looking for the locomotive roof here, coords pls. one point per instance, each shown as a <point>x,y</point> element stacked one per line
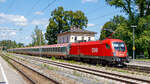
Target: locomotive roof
<point>108,39</point>
<point>98,42</point>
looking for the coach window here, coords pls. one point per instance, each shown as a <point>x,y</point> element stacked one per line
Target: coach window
<point>56,49</point>
<point>51,49</point>
<point>89,38</point>
<point>46,49</point>
<point>61,50</point>
<point>67,39</point>
<point>107,46</point>
<point>82,38</point>
<point>75,38</point>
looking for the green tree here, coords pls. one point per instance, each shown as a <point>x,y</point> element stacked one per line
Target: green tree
<point>6,44</point>
<point>143,35</point>
<point>37,37</point>
<point>61,21</point>
<point>138,12</point>
<point>120,26</point>
<point>20,45</point>
<point>133,8</point>
<point>112,25</point>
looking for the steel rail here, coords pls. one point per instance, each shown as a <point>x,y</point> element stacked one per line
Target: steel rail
<point>27,77</point>
<point>54,81</point>
<point>113,74</point>
<point>74,67</point>
<point>138,68</point>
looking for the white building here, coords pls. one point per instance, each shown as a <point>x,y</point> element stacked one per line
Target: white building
<point>75,35</point>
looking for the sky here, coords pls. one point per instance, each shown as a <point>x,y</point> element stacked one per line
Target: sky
<point>18,18</point>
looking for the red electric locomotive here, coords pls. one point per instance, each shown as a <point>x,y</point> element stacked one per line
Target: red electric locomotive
<point>112,51</point>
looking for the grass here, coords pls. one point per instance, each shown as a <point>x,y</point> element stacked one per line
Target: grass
<point>5,57</point>
<point>49,67</point>
<point>142,59</point>
<point>76,73</point>
<point>68,61</point>
<point>81,63</point>
<point>53,58</point>
<point>42,65</point>
<point>123,71</point>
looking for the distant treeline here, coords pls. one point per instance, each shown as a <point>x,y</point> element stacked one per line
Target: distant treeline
<point>6,44</point>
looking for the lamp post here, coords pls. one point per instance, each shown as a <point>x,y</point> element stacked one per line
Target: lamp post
<point>40,41</point>
<point>40,46</point>
<point>133,41</point>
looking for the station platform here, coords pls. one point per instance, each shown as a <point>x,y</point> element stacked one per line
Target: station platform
<point>139,63</point>
<point>8,75</point>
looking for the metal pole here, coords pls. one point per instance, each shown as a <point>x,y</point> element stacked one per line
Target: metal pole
<point>40,46</point>
<point>133,45</point>
<point>133,42</point>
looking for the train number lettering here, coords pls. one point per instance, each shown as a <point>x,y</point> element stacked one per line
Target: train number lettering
<point>94,50</point>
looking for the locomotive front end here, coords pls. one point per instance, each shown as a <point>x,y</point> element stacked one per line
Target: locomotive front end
<point>120,52</point>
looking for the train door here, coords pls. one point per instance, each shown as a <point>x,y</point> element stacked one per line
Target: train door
<point>101,50</point>
<point>78,48</point>
<point>108,50</point>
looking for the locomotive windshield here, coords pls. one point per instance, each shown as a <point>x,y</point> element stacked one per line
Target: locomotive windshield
<point>120,46</point>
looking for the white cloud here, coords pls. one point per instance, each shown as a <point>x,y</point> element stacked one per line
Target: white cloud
<point>13,33</point>
<point>27,37</point>
<point>2,0</point>
<point>46,25</point>
<point>84,1</point>
<point>3,35</point>
<point>40,22</point>
<point>6,33</point>
<point>39,13</point>
<point>90,25</point>
<point>14,19</point>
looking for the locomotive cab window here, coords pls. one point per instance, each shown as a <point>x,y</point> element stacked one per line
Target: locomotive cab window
<point>107,46</point>
<point>120,46</point>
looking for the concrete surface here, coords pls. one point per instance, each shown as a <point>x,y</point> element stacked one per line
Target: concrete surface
<point>139,63</point>
<point>9,75</point>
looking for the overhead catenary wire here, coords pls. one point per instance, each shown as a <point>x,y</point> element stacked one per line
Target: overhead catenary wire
<point>10,6</point>
<point>33,6</point>
<point>102,16</point>
<point>95,10</point>
<point>48,5</point>
<point>42,10</point>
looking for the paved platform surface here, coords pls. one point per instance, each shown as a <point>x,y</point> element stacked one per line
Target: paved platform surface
<point>139,63</point>
<point>8,75</point>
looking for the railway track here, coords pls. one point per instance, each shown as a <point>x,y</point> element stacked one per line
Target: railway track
<point>32,76</point>
<point>138,68</point>
<point>113,76</point>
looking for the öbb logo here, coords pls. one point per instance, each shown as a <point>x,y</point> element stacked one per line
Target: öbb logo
<point>94,50</point>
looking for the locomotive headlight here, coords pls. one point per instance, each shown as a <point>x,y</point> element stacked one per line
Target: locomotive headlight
<point>114,53</point>
<point>118,59</point>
